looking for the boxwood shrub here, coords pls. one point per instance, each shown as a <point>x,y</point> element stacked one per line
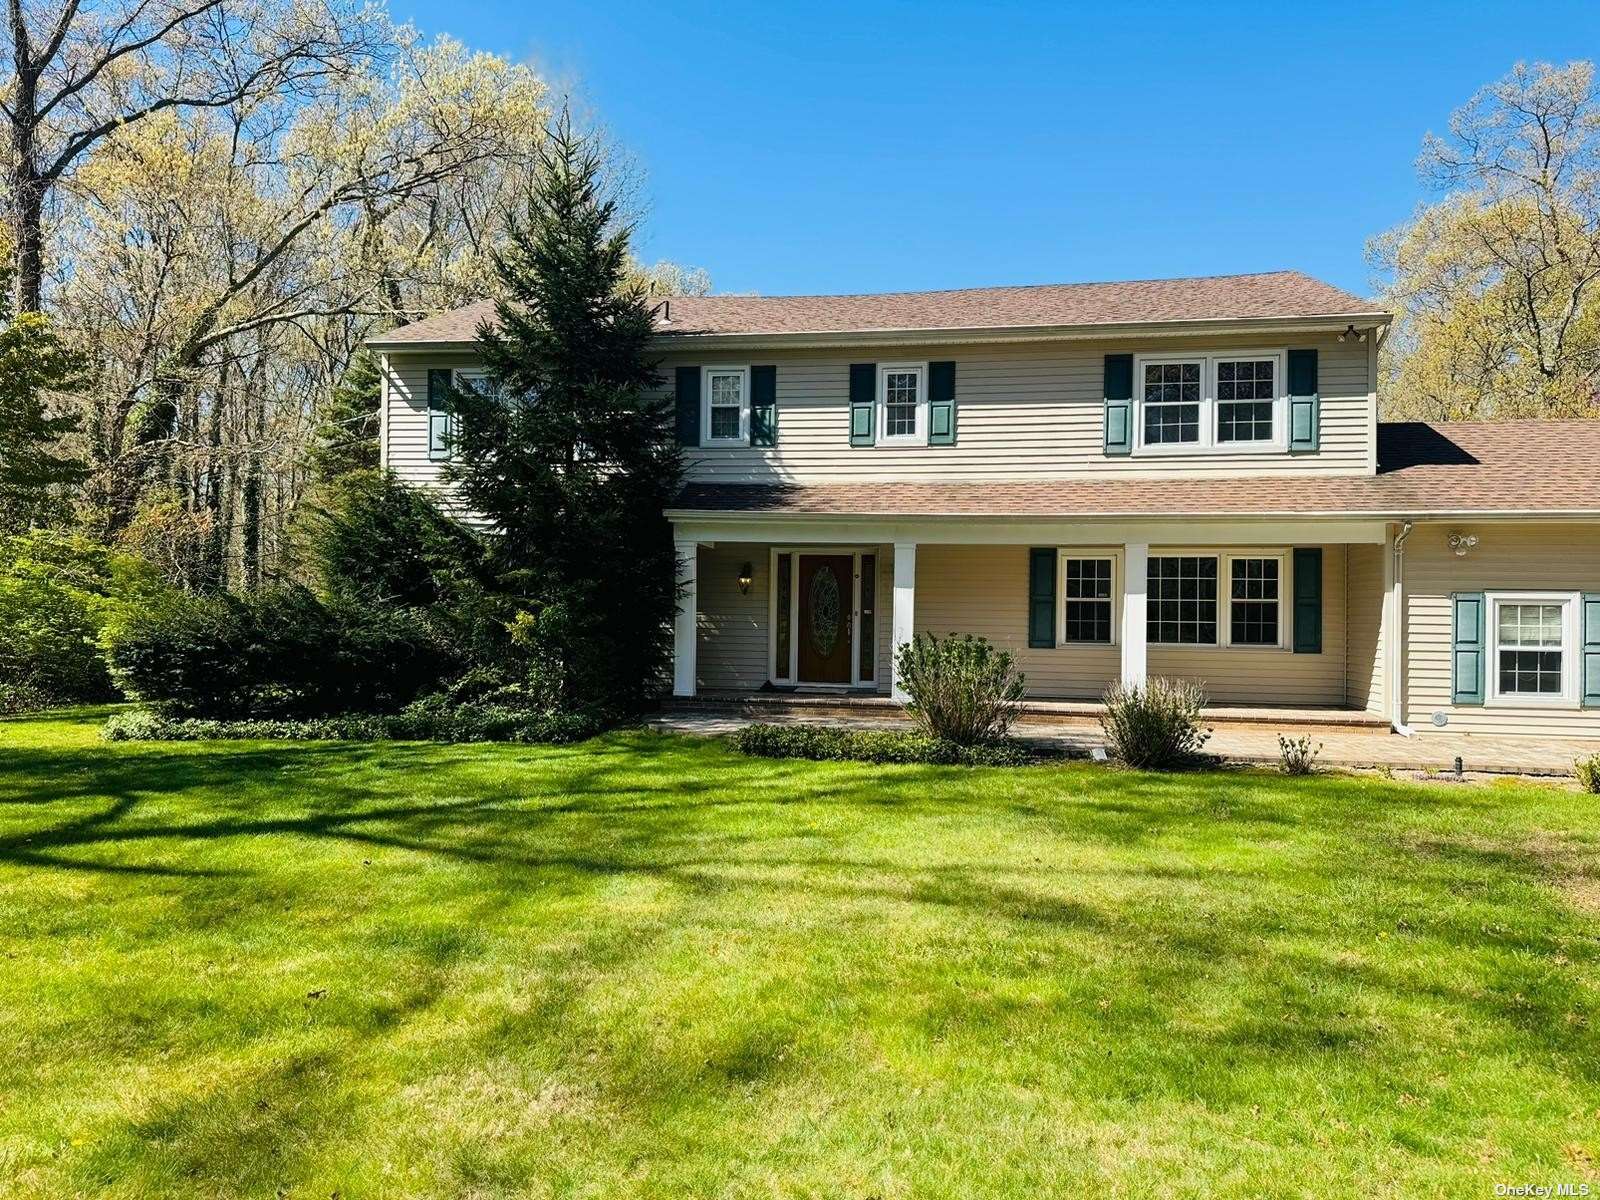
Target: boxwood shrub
<point>825,744</point>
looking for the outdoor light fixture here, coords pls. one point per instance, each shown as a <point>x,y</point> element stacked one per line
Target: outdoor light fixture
<point>746,575</point>
<point>1350,331</point>
<point>1462,542</point>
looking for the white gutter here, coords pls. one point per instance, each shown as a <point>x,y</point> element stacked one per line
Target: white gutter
<point>1379,514</point>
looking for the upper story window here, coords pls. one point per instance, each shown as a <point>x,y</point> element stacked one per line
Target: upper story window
<point>903,404</point>
<point>1218,402</point>
<point>726,418</point>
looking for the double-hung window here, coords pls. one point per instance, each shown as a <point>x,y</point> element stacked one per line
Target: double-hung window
<point>1533,652</point>
<point>1247,394</point>
<point>1088,604</point>
<point>726,418</point>
<point>1212,402</point>
<point>1181,600</point>
<point>903,404</point>
<point>1255,604</point>
<point>441,421</point>
<point>1171,394</point>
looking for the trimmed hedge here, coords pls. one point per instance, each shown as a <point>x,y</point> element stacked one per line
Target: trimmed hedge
<point>824,744</point>
<point>481,723</point>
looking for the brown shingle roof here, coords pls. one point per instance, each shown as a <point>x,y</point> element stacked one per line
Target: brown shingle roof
<point>1275,294</point>
<point>1549,467</point>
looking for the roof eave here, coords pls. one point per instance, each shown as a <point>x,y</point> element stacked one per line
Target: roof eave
<point>1381,514</point>
<point>812,340</point>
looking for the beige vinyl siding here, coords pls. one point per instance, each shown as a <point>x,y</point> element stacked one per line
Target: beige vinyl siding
<point>1023,411</point>
<point>1026,411</point>
<point>1508,557</point>
<point>1258,676</point>
<point>732,650</point>
<point>734,646</point>
<point>1364,627</point>
<point>405,417</point>
<point>983,590</point>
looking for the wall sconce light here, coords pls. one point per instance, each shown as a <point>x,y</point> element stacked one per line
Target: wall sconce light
<point>1350,331</point>
<point>746,577</point>
<point>1462,542</point>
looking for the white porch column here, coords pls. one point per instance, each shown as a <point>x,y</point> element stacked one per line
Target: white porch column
<point>905,602</point>
<point>1135,654</point>
<point>683,625</point>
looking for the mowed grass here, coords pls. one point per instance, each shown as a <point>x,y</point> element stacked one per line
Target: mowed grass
<point>648,967</point>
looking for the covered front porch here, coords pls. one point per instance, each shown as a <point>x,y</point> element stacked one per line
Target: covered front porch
<point>1271,617</point>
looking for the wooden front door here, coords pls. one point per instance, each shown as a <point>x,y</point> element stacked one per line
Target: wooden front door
<point>827,606</point>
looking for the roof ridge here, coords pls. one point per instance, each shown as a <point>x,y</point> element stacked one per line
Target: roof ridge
<point>1001,287</point>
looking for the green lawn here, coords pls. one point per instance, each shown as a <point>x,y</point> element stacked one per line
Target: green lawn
<point>648,967</point>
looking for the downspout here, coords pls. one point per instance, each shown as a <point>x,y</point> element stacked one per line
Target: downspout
<point>1397,657</point>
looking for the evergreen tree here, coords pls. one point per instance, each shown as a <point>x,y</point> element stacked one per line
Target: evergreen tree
<point>568,449</point>
<point>33,470</point>
<point>347,437</point>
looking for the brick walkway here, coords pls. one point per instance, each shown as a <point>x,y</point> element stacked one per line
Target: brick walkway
<point>1353,748</point>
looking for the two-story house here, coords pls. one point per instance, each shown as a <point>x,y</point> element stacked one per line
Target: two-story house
<point>1181,477</point>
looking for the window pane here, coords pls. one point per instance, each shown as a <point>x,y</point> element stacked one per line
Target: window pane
<point>725,423</point>
<point>1530,672</point>
<point>1182,600</point>
<point>727,399</point>
<point>1171,403</point>
<point>900,403</point>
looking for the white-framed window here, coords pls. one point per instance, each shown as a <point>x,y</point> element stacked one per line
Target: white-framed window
<point>1181,599</point>
<point>903,403</point>
<point>1088,598</point>
<point>1225,401</point>
<point>1255,599</point>
<point>1170,400</point>
<point>725,406</point>
<point>1247,398</point>
<point>1533,640</point>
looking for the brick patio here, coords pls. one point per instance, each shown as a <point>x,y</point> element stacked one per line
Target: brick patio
<point>1235,740</point>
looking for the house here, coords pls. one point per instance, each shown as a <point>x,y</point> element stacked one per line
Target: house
<point>1180,477</point>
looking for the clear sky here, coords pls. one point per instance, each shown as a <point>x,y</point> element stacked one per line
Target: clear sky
<point>836,147</point>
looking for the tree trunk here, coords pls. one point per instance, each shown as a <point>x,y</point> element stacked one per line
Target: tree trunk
<point>27,189</point>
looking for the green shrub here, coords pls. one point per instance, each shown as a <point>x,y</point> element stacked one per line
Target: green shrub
<point>1297,756</point>
<point>59,594</point>
<point>1588,772</point>
<point>429,724</point>
<point>962,689</point>
<point>873,745</point>
<point>279,653</point>
<point>1155,726</point>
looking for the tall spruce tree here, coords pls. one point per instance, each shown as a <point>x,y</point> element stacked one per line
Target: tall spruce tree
<point>567,448</point>
<point>347,436</point>
<point>34,472</point>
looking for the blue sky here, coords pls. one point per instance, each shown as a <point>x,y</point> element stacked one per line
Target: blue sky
<point>836,147</point>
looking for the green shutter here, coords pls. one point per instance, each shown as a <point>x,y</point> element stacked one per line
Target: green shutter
<point>688,406</point>
<point>863,383</point>
<point>942,404</point>
<point>1468,614</point>
<point>1305,405</point>
<point>763,406</point>
<point>1041,597</point>
<point>1308,600</point>
<point>1589,660</point>
<point>438,414</point>
<point>1119,404</point>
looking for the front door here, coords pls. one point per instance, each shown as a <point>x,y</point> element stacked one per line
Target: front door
<point>827,603</point>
